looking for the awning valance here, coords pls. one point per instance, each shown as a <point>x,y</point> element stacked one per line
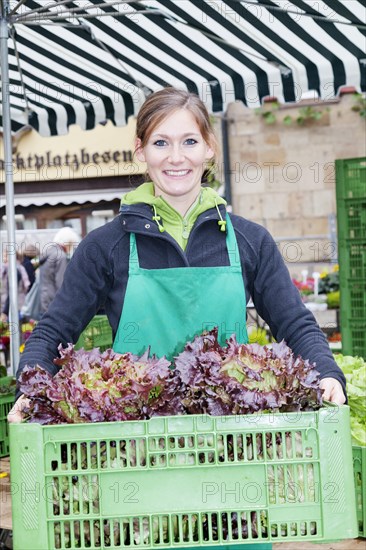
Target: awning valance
<point>65,198</point>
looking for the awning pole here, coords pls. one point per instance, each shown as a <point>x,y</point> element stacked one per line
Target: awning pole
<point>226,159</point>
<point>10,246</point>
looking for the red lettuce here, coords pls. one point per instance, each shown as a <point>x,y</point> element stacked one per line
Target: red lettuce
<point>98,387</point>
<point>208,378</point>
<point>245,378</point>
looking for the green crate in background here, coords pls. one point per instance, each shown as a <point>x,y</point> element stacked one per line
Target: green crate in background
<point>352,262</point>
<point>351,227</point>
<point>359,468</point>
<point>98,334</point>
<point>353,296</point>
<point>7,382</point>
<point>352,219</point>
<point>352,257</point>
<point>6,403</point>
<point>354,338</point>
<point>351,178</point>
<point>184,481</point>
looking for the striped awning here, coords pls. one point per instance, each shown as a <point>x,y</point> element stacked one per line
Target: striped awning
<point>86,61</point>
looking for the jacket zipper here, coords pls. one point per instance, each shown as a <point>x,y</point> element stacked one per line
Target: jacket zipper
<point>214,216</point>
<point>166,236</point>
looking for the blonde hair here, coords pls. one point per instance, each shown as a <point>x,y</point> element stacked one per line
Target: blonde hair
<point>159,105</point>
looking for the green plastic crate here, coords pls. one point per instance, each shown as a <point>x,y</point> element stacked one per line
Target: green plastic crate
<point>354,337</point>
<point>351,219</point>
<point>184,481</point>
<point>351,178</point>
<point>353,298</point>
<point>351,226</point>
<point>98,334</point>
<point>359,468</point>
<point>352,258</point>
<point>6,403</point>
<point>353,314</point>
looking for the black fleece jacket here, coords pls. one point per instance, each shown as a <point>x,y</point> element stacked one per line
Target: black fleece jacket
<point>97,275</point>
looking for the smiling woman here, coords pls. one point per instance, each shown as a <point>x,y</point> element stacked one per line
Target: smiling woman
<point>176,153</point>
<point>175,138</point>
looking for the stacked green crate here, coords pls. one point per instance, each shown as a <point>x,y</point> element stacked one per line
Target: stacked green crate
<point>7,393</point>
<point>351,220</point>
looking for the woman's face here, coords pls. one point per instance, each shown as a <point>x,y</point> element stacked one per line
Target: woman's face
<point>175,154</point>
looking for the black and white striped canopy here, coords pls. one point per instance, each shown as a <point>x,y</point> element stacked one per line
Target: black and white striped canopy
<point>85,61</point>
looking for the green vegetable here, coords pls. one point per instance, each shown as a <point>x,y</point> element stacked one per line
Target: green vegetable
<point>354,369</point>
<point>258,336</point>
<point>333,299</point>
<point>7,384</point>
<point>329,283</point>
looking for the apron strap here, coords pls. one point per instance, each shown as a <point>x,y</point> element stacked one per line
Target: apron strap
<point>134,264</point>
<point>231,244</point>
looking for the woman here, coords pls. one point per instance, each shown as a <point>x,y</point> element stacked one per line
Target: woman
<point>174,263</point>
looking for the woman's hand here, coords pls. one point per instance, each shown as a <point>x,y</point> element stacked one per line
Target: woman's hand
<point>333,391</point>
<point>15,415</point>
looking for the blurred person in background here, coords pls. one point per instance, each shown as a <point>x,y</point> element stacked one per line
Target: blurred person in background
<point>54,263</point>
<point>29,262</point>
<point>31,309</point>
<point>23,285</point>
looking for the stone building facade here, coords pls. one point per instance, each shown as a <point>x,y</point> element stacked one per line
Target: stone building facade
<point>283,170</point>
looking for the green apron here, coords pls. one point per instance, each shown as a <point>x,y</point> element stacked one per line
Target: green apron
<point>165,308</point>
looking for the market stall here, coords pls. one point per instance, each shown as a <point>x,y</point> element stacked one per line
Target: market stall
<point>209,441</point>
